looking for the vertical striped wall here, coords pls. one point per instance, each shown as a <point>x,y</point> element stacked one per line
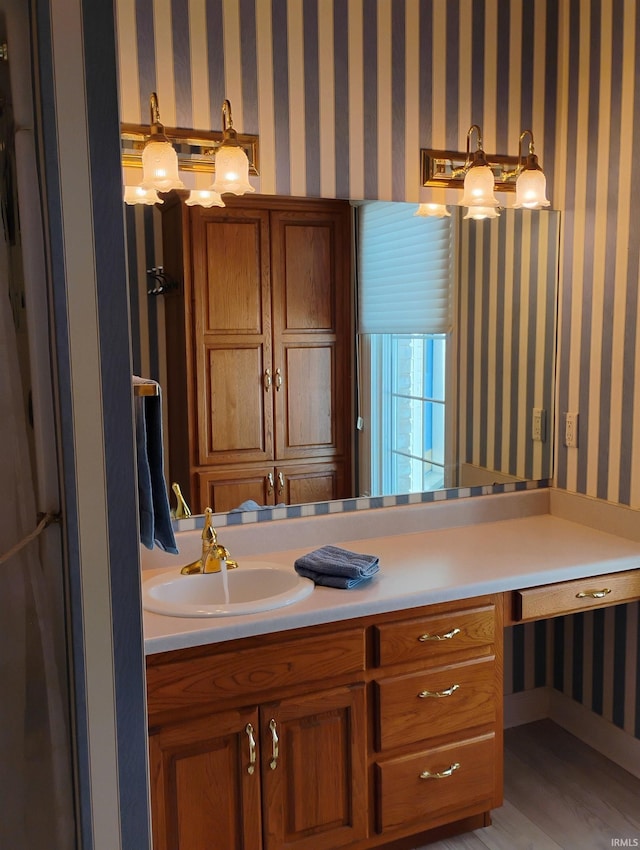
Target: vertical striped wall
<point>343,95</point>
<point>506,340</point>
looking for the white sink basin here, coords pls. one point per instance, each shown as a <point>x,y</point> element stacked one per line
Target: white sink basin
<point>245,590</point>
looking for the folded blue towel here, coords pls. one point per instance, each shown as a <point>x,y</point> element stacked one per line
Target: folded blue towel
<point>331,566</point>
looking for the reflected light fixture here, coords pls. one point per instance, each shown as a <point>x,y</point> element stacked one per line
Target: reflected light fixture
<point>231,162</point>
<point>204,198</point>
<point>480,213</point>
<point>433,211</point>
<point>140,195</point>
<point>479,181</point>
<point>159,158</point>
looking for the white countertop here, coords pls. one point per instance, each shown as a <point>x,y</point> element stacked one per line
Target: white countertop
<point>417,569</point>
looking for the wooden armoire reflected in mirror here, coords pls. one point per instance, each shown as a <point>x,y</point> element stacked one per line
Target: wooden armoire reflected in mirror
<point>259,341</point>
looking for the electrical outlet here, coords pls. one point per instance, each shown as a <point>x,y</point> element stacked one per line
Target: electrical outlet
<point>571,430</point>
<point>539,425</point>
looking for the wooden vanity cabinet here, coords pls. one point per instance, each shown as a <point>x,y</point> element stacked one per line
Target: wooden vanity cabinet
<point>261,747</point>
<point>438,717</point>
<point>259,350</point>
<point>323,738</point>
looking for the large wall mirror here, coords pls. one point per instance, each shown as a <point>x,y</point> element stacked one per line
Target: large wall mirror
<point>467,403</point>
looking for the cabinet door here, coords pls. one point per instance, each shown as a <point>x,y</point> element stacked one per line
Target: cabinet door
<point>205,786</point>
<point>300,484</point>
<point>311,328</point>
<point>314,777</point>
<point>232,335</point>
<point>224,490</point>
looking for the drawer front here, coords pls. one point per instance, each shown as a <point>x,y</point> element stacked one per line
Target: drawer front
<point>435,637</point>
<point>569,597</point>
<point>435,702</point>
<point>250,673</point>
<point>437,785</point>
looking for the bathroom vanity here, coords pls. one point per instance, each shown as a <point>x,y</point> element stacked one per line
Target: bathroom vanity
<point>365,718</point>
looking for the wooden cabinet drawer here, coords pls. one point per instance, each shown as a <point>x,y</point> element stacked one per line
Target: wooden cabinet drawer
<point>434,637</point>
<point>252,672</point>
<point>569,597</point>
<point>435,702</point>
<point>437,785</point>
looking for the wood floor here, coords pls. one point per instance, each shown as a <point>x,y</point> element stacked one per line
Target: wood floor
<point>559,793</point>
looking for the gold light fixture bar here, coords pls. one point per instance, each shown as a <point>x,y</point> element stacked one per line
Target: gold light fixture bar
<point>195,148</point>
<point>445,169</point>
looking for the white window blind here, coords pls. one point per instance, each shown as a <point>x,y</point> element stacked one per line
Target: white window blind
<point>404,270</point>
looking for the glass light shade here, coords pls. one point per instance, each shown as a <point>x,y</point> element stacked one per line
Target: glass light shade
<point>478,187</point>
<point>433,211</point>
<point>232,171</point>
<point>160,167</point>
<point>479,213</point>
<point>531,189</point>
<point>204,198</point>
<point>140,195</point>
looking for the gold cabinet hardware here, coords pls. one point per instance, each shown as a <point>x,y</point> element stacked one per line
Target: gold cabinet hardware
<point>270,483</point>
<point>445,636</point>
<point>267,379</point>
<point>593,594</point>
<point>438,694</point>
<point>274,744</point>
<point>443,773</point>
<point>252,749</point>
<point>278,378</point>
<point>281,482</point>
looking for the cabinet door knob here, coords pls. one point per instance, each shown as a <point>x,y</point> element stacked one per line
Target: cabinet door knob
<point>281,482</point>
<point>445,636</point>
<point>438,694</point>
<point>270,483</point>
<point>274,744</point>
<point>442,774</point>
<point>267,379</point>
<point>278,378</point>
<point>252,749</point>
<point>593,594</point>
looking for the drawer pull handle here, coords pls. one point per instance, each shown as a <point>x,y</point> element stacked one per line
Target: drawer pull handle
<point>439,694</point>
<point>445,636</point>
<point>252,749</point>
<point>593,594</point>
<point>443,773</point>
<point>274,745</point>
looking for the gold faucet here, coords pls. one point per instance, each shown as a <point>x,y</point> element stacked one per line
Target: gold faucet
<point>213,553</point>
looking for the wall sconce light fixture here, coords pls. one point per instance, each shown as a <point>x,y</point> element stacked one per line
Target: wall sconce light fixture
<point>159,159</point>
<point>163,153</point>
<point>480,175</point>
<point>433,211</point>
<point>232,165</point>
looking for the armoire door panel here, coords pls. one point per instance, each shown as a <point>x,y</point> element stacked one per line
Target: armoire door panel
<point>308,300</point>
<point>300,484</point>
<point>231,272</point>
<point>235,413</point>
<point>224,490</point>
<point>306,404</point>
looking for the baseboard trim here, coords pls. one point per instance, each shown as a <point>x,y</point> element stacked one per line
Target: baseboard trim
<point>618,746</point>
<point>527,706</point>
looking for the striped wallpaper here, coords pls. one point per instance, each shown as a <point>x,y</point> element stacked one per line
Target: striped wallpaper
<point>343,95</point>
<point>507,340</point>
